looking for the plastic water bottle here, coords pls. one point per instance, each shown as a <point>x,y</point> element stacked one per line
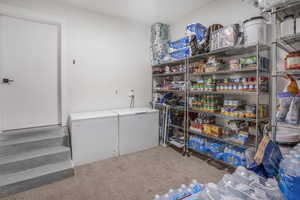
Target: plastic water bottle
<point>183,187</point>
<point>210,192</point>
<point>196,187</point>
<point>227,186</point>
<point>171,193</point>
<point>294,169</point>
<point>157,197</point>
<point>166,197</point>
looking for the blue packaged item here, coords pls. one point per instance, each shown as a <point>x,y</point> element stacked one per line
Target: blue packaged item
<point>289,174</point>
<point>269,165</point>
<point>289,185</point>
<point>234,156</point>
<point>180,54</point>
<point>289,179</point>
<point>233,159</point>
<point>179,44</point>
<point>216,150</point>
<point>196,29</point>
<point>272,158</point>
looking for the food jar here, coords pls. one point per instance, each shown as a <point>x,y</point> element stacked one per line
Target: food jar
<point>292,61</point>
<point>288,26</point>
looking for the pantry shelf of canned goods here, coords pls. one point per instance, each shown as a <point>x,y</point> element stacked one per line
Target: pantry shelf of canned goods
<point>225,93</point>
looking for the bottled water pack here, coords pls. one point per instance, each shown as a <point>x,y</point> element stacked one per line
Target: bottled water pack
<point>184,192</point>
<point>289,174</point>
<point>241,185</point>
<point>218,150</point>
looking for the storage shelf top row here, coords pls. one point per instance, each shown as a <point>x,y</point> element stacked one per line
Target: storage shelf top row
<point>285,9</point>
<point>290,43</point>
<point>229,51</point>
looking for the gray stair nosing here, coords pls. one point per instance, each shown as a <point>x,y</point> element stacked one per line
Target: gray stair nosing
<point>30,139</point>
<point>33,130</point>
<point>31,173</point>
<point>35,182</point>
<point>10,159</point>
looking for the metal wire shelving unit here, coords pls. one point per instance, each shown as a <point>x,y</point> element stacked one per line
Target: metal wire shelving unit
<point>238,51</point>
<point>288,44</point>
<point>226,52</point>
<point>172,143</point>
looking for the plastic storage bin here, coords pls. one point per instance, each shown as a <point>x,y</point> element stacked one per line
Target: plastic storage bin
<point>255,30</point>
<point>298,24</point>
<point>288,26</point>
<point>225,37</point>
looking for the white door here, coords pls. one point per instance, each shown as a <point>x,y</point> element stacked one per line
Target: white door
<point>28,74</point>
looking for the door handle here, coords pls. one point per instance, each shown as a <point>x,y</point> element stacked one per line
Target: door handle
<point>7,80</point>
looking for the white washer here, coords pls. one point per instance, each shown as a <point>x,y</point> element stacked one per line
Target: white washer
<point>94,136</point>
<point>138,129</point>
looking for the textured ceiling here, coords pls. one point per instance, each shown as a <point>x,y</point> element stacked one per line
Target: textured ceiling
<point>148,11</point>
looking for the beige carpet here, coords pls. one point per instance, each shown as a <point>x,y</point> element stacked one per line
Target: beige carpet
<point>137,176</point>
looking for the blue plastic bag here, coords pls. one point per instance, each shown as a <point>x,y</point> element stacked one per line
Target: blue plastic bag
<point>180,54</point>
<point>196,29</point>
<point>179,44</point>
<point>269,167</point>
<point>289,186</point>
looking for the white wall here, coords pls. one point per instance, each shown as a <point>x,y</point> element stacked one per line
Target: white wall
<point>223,12</point>
<point>111,55</point>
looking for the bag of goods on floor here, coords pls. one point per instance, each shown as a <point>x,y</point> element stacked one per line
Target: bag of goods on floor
<point>267,159</point>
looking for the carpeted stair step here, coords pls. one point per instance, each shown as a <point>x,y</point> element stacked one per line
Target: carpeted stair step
<point>21,142</point>
<point>35,177</point>
<point>32,159</point>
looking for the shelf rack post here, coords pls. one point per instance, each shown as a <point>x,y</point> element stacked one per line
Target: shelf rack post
<point>257,94</point>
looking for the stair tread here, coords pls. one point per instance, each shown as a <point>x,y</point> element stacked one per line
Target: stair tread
<point>31,138</point>
<point>33,154</point>
<point>37,130</point>
<point>34,173</point>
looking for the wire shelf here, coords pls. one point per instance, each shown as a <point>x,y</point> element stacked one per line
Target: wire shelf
<point>172,63</point>
<point>169,74</point>
<point>165,90</point>
<point>210,156</point>
<point>228,93</point>
<point>289,43</point>
<point>229,117</point>
<point>291,72</point>
<point>286,125</point>
<point>287,8</point>
<point>221,139</point>
<point>176,126</point>
<point>245,70</point>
